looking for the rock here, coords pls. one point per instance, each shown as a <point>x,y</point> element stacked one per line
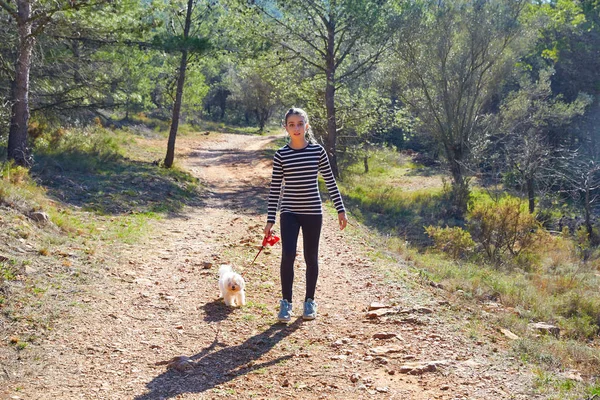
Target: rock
<point>572,374</point>
<point>354,378</point>
<point>419,368</point>
<point>376,306</point>
<point>509,334</point>
<point>179,363</point>
<point>423,310</point>
<point>380,312</point>
<point>385,350</point>
<point>470,363</point>
<point>385,335</point>
<point>545,328</point>
<point>143,281</point>
<point>339,357</point>
<point>206,265</point>
<point>29,270</point>
<point>383,389</point>
<point>342,341</point>
<point>39,216</point>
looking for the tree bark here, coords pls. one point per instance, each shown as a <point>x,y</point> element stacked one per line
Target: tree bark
<point>588,213</point>
<point>17,136</point>
<point>460,186</point>
<point>170,157</point>
<point>530,194</point>
<point>330,143</point>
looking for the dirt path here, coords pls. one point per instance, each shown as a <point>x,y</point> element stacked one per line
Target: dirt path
<point>157,301</point>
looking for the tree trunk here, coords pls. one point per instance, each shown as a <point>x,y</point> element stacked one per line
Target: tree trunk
<point>530,194</point>
<point>460,185</point>
<point>179,95</point>
<point>330,143</point>
<point>17,136</point>
<point>588,213</point>
<point>170,157</point>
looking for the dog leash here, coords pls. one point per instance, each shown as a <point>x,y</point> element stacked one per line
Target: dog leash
<point>268,240</point>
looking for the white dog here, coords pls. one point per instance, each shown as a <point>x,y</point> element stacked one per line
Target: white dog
<point>232,287</point>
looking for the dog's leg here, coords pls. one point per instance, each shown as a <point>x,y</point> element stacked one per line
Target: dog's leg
<point>242,298</point>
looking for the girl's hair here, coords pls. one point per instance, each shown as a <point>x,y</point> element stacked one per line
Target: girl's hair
<point>298,111</point>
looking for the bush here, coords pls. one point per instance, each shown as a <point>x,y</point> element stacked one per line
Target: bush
<point>504,228</point>
<point>454,241</point>
<point>13,173</point>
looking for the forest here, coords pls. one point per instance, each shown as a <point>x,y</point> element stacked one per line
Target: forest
<point>499,90</point>
<point>499,97</point>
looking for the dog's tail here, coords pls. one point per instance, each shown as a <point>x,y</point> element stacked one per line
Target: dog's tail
<point>225,268</point>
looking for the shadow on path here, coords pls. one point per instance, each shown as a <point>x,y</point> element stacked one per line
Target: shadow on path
<point>113,184</point>
<point>116,185</point>
<point>212,368</point>
<point>216,311</point>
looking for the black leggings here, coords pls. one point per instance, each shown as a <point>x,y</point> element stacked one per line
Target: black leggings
<point>311,232</point>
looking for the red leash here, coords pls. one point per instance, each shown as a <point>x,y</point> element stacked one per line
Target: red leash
<point>268,240</point>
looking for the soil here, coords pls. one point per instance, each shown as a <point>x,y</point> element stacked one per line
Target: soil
<point>149,324</point>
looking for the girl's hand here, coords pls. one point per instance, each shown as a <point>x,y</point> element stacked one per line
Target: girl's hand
<point>269,229</point>
<point>342,220</point>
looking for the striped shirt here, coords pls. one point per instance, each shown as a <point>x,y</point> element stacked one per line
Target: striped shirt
<point>294,186</point>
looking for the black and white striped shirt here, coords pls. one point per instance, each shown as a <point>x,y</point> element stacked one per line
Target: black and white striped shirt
<point>294,186</point>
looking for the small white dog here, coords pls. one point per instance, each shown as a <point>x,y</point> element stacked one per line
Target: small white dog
<point>232,287</point>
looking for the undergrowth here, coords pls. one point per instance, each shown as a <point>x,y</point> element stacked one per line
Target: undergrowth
<point>498,254</point>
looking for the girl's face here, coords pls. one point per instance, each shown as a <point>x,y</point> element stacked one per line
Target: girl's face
<point>296,126</point>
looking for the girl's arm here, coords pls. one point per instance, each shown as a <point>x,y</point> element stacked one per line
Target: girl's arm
<point>334,193</point>
<point>275,191</point>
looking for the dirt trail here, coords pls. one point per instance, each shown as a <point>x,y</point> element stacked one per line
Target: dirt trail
<point>158,300</point>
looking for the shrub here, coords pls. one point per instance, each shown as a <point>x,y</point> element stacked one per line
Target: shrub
<point>13,173</point>
<point>454,241</point>
<point>504,228</point>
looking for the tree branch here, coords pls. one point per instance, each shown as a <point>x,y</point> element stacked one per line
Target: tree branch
<point>292,31</point>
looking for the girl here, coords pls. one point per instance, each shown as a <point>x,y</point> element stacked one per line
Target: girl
<point>295,190</point>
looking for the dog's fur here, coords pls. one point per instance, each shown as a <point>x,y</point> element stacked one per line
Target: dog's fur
<point>232,287</point>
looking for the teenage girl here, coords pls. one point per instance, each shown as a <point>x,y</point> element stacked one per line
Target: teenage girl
<point>295,191</point>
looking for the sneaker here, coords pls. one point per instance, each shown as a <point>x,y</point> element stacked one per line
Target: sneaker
<point>310,310</point>
<point>285,311</point>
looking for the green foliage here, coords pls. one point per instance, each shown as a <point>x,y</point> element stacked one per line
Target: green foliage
<point>177,44</point>
<point>455,241</point>
<point>449,62</point>
<point>504,228</point>
<point>261,87</point>
<point>8,272</point>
